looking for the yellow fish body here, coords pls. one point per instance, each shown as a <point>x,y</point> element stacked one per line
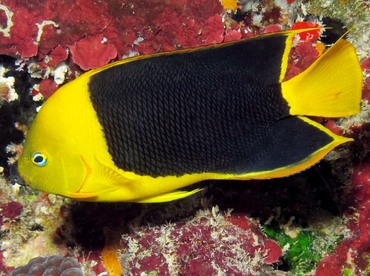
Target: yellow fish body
<point>143,128</point>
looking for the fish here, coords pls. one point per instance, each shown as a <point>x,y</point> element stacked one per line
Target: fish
<point>145,129</point>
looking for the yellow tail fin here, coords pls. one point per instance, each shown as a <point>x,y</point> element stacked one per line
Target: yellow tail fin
<point>330,87</point>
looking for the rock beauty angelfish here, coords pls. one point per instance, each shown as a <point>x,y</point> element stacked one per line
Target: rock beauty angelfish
<point>143,128</point>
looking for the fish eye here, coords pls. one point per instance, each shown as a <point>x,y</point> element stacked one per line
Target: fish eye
<point>39,159</point>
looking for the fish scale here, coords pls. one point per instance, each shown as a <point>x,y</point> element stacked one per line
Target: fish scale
<point>166,114</point>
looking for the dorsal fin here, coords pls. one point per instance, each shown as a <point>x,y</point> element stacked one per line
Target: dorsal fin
<point>266,56</point>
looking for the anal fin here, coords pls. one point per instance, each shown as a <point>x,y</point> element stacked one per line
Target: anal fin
<point>295,144</point>
<point>174,195</point>
<point>81,196</point>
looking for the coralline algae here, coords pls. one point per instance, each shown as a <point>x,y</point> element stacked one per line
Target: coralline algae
<point>55,41</point>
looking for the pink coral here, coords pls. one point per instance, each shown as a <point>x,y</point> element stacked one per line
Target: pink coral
<point>352,252</point>
<point>366,89</point>
<point>40,27</point>
<point>301,57</point>
<point>272,28</point>
<point>210,243</point>
<point>11,210</point>
<point>92,52</point>
<point>96,32</point>
<point>3,268</point>
<point>361,181</point>
<point>57,55</point>
<point>47,87</point>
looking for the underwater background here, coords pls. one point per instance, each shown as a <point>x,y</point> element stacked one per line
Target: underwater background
<point>313,223</point>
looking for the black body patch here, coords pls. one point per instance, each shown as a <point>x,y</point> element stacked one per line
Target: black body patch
<point>215,110</point>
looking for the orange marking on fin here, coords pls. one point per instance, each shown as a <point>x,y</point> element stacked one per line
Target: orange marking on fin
<point>110,254</point>
<point>320,47</point>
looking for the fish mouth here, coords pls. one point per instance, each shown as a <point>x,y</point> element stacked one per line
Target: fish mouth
<point>14,176</point>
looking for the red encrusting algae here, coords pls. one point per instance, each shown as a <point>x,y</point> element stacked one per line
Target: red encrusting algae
<point>210,243</point>
<point>89,34</point>
<point>353,252</point>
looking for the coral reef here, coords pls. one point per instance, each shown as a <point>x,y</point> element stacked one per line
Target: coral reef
<point>15,107</point>
<point>354,14</point>
<point>366,67</point>
<point>352,254</point>
<point>54,265</point>
<point>94,33</point>
<point>304,248</point>
<point>209,244</point>
<point>314,223</point>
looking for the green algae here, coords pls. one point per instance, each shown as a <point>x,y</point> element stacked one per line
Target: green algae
<point>347,272</point>
<point>350,12</point>
<point>367,270</point>
<point>302,252</point>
